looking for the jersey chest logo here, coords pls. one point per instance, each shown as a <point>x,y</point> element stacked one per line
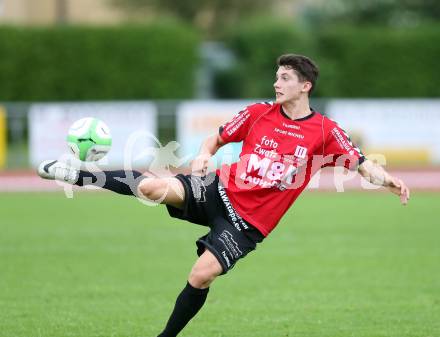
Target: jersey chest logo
<point>300,152</point>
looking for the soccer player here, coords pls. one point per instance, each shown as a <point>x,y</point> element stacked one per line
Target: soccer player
<point>284,144</point>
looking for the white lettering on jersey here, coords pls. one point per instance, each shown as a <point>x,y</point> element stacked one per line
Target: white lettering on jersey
<point>269,142</point>
<point>259,149</point>
<point>263,152</point>
<point>255,163</point>
<point>291,126</point>
<point>290,173</point>
<point>276,172</point>
<point>238,120</point>
<point>289,133</point>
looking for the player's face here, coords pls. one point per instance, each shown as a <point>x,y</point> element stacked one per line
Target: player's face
<point>288,87</point>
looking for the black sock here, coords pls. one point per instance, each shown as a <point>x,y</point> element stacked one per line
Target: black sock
<point>188,303</point>
<point>122,182</point>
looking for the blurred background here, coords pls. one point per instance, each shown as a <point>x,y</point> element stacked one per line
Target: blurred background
<point>190,65</point>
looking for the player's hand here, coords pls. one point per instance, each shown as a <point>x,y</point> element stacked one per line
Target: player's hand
<point>199,165</point>
<point>397,186</point>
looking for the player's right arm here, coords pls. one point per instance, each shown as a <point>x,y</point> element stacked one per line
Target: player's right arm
<point>209,147</point>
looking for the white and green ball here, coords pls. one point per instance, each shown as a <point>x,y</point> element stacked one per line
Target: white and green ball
<point>89,139</point>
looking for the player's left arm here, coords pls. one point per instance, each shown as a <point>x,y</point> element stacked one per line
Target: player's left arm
<point>377,175</point>
<point>343,152</point>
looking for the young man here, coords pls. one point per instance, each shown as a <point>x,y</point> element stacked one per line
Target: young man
<point>284,144</point>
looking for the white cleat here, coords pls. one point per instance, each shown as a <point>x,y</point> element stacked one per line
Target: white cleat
<point>53,169</point>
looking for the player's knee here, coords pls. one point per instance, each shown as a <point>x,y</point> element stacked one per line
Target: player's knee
<point>144,187</point>
<point>151,188</point>
<point>202,277</point>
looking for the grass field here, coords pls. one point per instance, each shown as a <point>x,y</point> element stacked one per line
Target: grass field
<point>338,265</point>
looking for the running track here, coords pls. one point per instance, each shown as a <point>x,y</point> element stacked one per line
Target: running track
<point>417,179</point>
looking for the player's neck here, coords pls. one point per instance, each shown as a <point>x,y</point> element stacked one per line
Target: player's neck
<point>297,109</point>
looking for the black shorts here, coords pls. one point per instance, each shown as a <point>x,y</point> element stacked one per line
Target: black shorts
<point>206,203</point>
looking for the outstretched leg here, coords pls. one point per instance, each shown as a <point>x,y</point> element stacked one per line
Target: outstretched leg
<point>119,181</point>
<point>168,191</point>
<point>193,296</point>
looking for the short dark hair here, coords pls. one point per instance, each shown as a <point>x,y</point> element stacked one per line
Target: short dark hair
<point>304,67</point>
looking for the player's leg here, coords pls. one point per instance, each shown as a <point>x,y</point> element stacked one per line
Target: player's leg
<point>169,191</point>
<point>193,296</point>
<point>205,270</point>
<point>119,181</point>
<point>162,190</point>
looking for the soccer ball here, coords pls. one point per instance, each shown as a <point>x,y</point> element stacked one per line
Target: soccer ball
<point>89,139</point>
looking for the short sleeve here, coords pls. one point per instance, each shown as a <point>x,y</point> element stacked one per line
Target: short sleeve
<point>237,129</point>
<point>339,150</point>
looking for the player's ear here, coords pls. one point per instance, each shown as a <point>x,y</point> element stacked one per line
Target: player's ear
<point>307,86</point>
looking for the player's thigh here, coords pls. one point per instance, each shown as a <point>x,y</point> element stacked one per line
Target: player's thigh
<point>169,191</point>
<point>205,270</point>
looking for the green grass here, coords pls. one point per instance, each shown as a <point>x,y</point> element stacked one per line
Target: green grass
<point>338,265</point>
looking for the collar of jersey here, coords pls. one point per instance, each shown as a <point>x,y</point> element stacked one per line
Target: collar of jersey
<point>298,119</point>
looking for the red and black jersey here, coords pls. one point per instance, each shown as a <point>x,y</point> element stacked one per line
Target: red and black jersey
<point>278,158</point>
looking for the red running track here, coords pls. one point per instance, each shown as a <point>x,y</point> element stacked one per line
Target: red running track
<point>326,180</point>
